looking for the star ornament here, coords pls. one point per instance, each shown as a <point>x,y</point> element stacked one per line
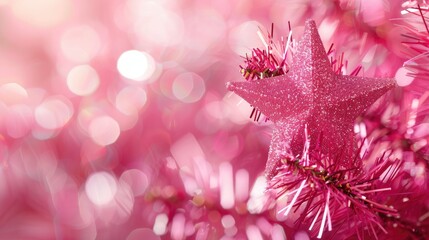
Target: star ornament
<point>311,95</point>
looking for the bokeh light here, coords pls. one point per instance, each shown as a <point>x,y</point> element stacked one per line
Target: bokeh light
<point>137,180</point>
<point>136,65</point>
<point>301,235</point>
<point>188,87</point>
<point>254,233</point>
<point>54,112</point>
<point>83,80</point>
<point>101,188</point>
<point>160,225</point>
<point>130,100</point>
<point>104,130</point>
<point>403,77</point>
<point>226,185</point>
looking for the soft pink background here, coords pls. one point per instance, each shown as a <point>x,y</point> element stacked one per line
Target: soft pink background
<point>114,115</point>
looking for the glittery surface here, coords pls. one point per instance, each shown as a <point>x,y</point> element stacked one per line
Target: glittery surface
<point>311,94</point>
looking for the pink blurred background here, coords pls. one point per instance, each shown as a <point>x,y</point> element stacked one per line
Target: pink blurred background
<point>115,122</point>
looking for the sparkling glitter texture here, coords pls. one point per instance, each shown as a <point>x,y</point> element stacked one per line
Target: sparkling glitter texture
<point>311,94</point>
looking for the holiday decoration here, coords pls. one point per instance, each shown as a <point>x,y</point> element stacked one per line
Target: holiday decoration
<point>115,122</point>
<point>328,177</point>
<point>312,95</point>
<point>327,185</point>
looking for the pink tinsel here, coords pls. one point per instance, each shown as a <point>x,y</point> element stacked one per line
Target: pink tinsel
<point>115,124</point>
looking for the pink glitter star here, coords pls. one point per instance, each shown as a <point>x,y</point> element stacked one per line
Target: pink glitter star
<point>311,94</point>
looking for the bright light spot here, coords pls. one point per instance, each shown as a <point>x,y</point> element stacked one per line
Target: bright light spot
<point>42,13</point>
<point>301,236</point>
<point>420,170</point>
<point>228,221</point>
<point>415,103</point>
<point>188,87</point>
<point>136,65</point>
<point>130,100</point>
<point>257,196</point>
<point>421,130</point>
<point>12,93</point>
<point>160,225</point>
<point>80,44</point>
<point>242,185</point>
<point>104,130</point>
<point>253,233</point>
<point>101,188</point>
<point>143,233</point>
<point>403,77</point>
<point>226,185</point>
<point>178,226</point>
<point>419,145</point>
<point>278,233</point>
<point>265,226</point>
<point>259,187</point>
<point>230,232</point>
<point>408,10</point>
<point>137,180</point>
<point>54,112</point>
<point>83,80</point>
